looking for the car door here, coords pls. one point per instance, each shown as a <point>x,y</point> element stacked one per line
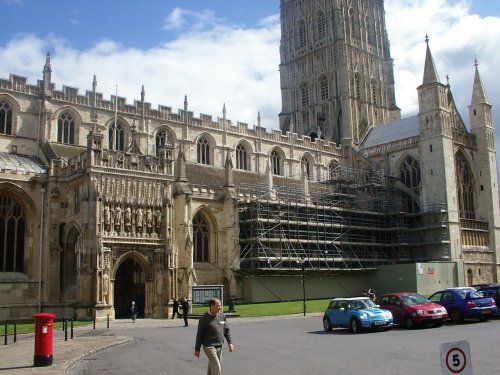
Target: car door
<point>342,314</point>
<point>396,308</point>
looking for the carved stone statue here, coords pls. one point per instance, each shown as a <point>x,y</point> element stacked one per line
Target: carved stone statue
<point>118,218</point>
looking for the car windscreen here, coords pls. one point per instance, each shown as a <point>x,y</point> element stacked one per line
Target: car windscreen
<point>414,299</point>
<point>362,304</point>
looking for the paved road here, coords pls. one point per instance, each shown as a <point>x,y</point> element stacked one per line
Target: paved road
<point>296,345</point>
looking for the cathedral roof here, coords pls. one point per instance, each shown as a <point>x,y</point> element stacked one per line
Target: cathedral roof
<point>394,131</point>
<point>21,163</point>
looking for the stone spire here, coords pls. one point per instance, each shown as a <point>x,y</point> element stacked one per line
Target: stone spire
<point>478,93</point>
<point>143,94</point>
<point>185,102</point>
<point>229,171</point>
<point>47,76</point>
<point>430,72</point>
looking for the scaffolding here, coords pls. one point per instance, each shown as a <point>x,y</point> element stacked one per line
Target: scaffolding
<point>351,220</point>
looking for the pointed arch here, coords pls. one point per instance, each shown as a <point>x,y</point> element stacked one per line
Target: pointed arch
<point>137,257</point>
<point>118,134</point>
<point>307,165</point>
<point>302,36</point>
<point>164,142</point>
<point>69,120</point>
<point>409,173</point>
<point>277,157</point>
<point>204,237</point>
<point>324,87</point>
<point>243,152</point>
<point>465,186</point>
<point>205,146</point>
<point>333,170</point>
<point>320,24</point>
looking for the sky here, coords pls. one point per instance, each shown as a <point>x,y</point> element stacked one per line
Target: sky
<point>226,52</point>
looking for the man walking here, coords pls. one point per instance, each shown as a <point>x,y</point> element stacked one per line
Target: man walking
<point>212,329</point>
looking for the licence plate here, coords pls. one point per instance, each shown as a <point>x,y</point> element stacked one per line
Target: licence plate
<point>379,323</point>
<point>485,311</point>
<point>437,316</point>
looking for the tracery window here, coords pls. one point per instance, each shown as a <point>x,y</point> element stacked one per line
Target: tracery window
<point>12,232</point>
<point>410,176</point>
<point>333,170</point>
<point>203,151</point>
<point>306,166</point>
<point>116,137</point>
<point>275,163</point>
<point>374,92</point>
<point>352,21</point>
<point>66,129</point>
<point>163,144</point>
<point>304,95</point>
<point>241,157</point>
<point>302,34</point>
<point>321,25</point>
<point>357,86</point>
<point>369,31</point>
<point>201,239</point>
<point>325,89</point>
<point>5,118</point>
<point>465,187</point>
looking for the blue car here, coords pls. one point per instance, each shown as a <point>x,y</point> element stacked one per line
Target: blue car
<point>463,304</point>
<point>356,313</point>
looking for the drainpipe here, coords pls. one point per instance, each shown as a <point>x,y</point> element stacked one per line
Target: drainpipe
<point>40,247</point>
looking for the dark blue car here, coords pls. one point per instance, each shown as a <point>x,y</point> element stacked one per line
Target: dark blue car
<point>463,303</point>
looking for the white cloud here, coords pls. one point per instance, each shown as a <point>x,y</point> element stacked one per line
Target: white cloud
<point>215,62</point>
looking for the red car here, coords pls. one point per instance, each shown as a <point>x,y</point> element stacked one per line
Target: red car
<point>411,309</point>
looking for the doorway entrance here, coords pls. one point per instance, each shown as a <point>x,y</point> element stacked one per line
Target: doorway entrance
<point>129,286</point>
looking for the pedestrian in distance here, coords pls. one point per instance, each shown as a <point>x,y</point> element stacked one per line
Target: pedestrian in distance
<point>212,329</point>
<point>185,310</point>
<point>133,311</point>
<point>175,309</point>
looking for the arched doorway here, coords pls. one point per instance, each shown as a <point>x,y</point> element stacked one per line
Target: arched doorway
<point>129,286</point>
<point>469,277</point>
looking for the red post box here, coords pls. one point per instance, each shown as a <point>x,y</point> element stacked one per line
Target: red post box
<point>44,328</point>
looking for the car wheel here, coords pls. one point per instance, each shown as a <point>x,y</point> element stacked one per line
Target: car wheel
<point>355,326</point>
<point>327,326</point>
<point>456,317</point>
<point>409,323</point>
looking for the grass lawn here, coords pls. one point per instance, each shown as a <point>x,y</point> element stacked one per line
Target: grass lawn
<point>273,308</point>
<point>243,310</point>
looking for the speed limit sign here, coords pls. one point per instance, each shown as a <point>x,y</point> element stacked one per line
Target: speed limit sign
<point>455,358</point>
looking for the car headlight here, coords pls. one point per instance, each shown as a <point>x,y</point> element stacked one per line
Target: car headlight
<point>363,316</point>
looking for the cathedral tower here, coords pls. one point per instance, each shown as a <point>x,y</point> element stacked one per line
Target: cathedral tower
<point>336,70</point>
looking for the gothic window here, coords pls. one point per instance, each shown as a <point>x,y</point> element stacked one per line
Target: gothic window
<point>302,34</point>
<point>5,118</point>
<point>116,137</point>
<point>304,95</point>
<point>12,231</point>
<point>276,163</point>
<point>203,151</point>
<point>306,166</point>
<point>410,176</point>
<point>352,22</point>
<point>201,239</point>
<point>357,87</point>
<point>163,144</point>
<point>374,92</point>
<point>369,31</point>
<point>325,89</point>
<point>465,187</point>
<point>66,129</point>
<point>333,170</point>
<point>321,25</point>
<point>241,157</point>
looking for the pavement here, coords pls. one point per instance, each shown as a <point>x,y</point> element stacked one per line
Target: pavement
<point>17,357</point>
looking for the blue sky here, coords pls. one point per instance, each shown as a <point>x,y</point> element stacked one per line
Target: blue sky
<point>227,51</point>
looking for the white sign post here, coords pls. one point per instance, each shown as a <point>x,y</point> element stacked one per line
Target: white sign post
<point>455,358</point>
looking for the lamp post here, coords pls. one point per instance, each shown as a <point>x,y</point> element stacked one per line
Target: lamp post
<point>303,264</point>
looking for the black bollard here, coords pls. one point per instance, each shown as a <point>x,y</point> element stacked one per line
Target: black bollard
<point>65,325</point>
<point>6,327</point>
<point>107,324</point>
<point>72,329</point>
<point>94,322</point>
<point>15,332</point>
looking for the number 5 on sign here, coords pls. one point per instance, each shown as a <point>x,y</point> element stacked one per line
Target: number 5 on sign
<point>455,358</point>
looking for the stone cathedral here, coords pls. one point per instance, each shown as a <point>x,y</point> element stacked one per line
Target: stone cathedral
<point>104,202</point>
